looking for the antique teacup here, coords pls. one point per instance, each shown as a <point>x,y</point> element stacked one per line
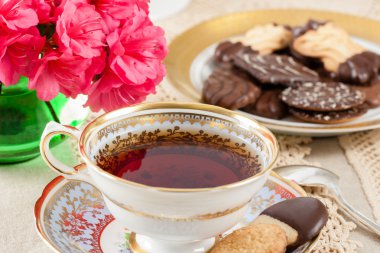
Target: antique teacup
<point>171,219</point>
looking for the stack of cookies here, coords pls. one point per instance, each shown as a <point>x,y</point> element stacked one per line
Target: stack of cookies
<point>284,227</point>
<point>315,72</point>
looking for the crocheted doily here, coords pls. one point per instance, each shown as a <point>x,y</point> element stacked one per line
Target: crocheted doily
<point>363,153</point>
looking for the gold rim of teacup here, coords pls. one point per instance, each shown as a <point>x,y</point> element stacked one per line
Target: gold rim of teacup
<point>176,105</point>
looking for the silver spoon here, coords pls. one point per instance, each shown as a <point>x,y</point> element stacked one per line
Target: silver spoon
<point>307,175</point>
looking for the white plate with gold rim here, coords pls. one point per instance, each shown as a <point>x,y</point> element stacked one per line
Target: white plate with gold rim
<point>190,61</point>
<point>71,216</point>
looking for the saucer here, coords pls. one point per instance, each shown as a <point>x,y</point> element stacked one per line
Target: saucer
<point>71,216</point>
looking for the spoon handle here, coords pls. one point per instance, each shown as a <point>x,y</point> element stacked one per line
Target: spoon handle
<point>358,216</point>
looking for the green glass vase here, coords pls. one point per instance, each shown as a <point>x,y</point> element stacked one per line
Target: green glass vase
<point>23,118</point>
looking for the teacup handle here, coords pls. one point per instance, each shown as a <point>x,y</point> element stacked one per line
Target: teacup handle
<point>52,129</point>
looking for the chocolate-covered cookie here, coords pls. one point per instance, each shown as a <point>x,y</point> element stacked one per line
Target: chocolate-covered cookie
<point>274,69</point>
<point>305,215</point>
<point>228,88</point>
<point>361,68</point>
<point>321,96</point>
<point>372,93</point>
<point>330,117</point>
<point>226,50</point>
<point>269,105</point>
<point>297,31</point>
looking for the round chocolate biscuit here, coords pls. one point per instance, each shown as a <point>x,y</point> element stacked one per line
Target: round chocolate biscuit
<point>226,50</point>
<point>329,117</point>
<point>229,88</point>
<point>322,96</point>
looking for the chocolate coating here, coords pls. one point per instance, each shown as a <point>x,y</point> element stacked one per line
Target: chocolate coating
<point>274,69</point>
<point>310,25</point>
<point>226,50</point>
<point>229,88</point>
<point>306,215</point>
<point>330,117</point>
<point>269,105</point>
<point>372,93</point>
<point>360,69</point>
<point>322,97</point>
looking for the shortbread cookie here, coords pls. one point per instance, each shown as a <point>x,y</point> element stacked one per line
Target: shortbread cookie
<point>322,97</point>
<point>229,88</point>
<point>266,39</point>
<point>269,105</point>
<point>329,43</point>
<point>257,238</point>
<point>274,69</point>
<point>337,117</point>
<point>226,51</point>
<point>305,215</point>
<point>360,69</point>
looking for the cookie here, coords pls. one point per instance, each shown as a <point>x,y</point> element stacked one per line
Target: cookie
<point>360,69</point>
<point>372,93</point>
<point>274,69</point>
<point>226,50</point>
<point>305,215</point>
<point>329,43</point>
<point>258,238</point>
<point>313,63</point>
<point>322,97</point>
<point>266,39</point>
<point>269,105</point>
<point>229,88</point>
<point>337,117</point>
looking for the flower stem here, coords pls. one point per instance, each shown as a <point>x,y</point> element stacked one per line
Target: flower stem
<point>51,109</point>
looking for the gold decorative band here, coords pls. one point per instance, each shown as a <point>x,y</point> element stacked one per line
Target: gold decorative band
<point>208,216</point>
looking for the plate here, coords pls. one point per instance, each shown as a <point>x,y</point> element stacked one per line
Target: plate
<point>189,61</point>
<point>71,216</point>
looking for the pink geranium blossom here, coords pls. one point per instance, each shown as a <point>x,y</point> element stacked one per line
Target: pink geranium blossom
<point>115,11</point>
<point>111,93</point>
<point>137,50</point>
<point>16,15</point>
<point>17,51</point>
<point>57,72</point>
<point>79,30</point>
<point>106,49</point>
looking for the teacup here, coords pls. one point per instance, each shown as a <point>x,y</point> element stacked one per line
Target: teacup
<point>167,220</point>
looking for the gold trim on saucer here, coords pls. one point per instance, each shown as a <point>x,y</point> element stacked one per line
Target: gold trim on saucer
<point>187,46</point>
<point>52,186</point>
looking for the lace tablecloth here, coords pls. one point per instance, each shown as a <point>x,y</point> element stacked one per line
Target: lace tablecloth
<point>359,166</point>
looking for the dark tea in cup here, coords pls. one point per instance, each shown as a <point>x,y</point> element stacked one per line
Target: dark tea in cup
<point>194,160</point>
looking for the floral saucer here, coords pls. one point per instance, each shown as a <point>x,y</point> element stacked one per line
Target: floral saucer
<point>71,216</point>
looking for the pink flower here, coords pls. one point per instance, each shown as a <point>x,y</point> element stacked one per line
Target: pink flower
<point>44,10</point>
<point>16,53</point>
<point>16,15</point>
<point>115,11</point>
<point>57,72</point>
<point>137,50</point>
<point>79,30</point>
<point>111,93</point>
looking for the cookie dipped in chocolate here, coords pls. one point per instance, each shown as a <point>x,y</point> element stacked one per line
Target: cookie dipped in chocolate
<point>230,88</point>
<point>306,215</point>
<point>360,69</point>
<point>269,105</point>
<point>297,31</point>
<point>226,50</point>
<point>273,69</point>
